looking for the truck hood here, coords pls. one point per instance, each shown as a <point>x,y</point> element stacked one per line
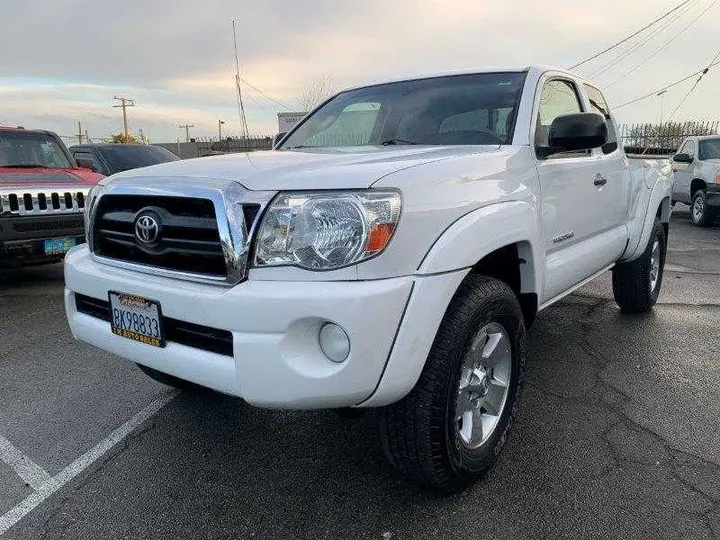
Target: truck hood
<point>28,178</point>
<point>327,168</point>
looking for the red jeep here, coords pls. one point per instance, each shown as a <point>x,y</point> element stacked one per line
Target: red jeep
<point>42,197</point>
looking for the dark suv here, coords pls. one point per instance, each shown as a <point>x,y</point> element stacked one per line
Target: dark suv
<point>109,159</point>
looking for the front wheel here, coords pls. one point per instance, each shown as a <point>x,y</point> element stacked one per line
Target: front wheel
<point>636,285</point>
<point>701,214</point>
<point>451,428</point>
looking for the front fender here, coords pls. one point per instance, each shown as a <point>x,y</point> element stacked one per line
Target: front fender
<point>485,230</point>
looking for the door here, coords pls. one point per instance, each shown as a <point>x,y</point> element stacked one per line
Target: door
<point>578,236</point>
<point>683,175</point>
<point>612,179</point>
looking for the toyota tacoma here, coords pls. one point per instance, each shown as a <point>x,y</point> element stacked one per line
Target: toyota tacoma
<point>389,253</point>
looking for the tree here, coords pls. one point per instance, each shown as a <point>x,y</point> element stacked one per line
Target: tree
<point>316,91</point>
<point>120,138</point>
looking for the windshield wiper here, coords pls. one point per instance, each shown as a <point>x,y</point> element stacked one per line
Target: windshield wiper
<point>25,166</point>
<point>391,142</point>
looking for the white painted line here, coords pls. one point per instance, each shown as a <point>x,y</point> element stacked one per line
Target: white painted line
<point>30,472</point>
<point>83,462</point>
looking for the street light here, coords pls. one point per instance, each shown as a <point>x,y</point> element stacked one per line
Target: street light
<point>220,125</point>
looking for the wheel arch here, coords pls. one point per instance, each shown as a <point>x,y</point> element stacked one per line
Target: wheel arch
<point>696,185</point>
<point>502,239</point>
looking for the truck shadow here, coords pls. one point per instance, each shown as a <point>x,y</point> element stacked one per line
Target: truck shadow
<point>231,467</point>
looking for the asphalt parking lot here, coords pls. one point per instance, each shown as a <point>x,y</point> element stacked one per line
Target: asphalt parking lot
<point>618,434</point>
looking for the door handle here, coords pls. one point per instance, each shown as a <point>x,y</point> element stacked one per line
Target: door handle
<point>600,180</point>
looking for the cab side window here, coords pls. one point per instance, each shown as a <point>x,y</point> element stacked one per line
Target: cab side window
<point>87,155</point>
<point>599,105</point>
<point>558,97</point>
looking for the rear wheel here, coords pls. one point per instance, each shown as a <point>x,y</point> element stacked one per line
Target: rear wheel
<point>451,428</point>
<point>701,214</point>
<point>636,285</point>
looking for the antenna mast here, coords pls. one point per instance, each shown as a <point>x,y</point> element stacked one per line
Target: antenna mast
<point>241,108</point>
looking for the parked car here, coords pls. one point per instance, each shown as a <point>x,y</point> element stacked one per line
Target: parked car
<point>697,178</point>
<point>390,253</point>
<point>114,158</point>
<point>42,197</point>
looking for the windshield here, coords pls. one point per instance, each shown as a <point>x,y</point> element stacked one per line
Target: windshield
<point>27,149</point>
<point>123,158</point>
<point>458,109</point>
<point>709,149</point>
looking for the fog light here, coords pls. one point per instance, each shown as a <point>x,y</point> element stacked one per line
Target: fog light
<point>334,342</point>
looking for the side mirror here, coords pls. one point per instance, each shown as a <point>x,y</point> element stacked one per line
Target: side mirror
<point>682,158</point>
<point>86,163</point>
<point>277,138</point>
<point>577,131</point>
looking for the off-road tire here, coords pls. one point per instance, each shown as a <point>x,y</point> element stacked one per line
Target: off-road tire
<point>632,284</point>
<point>418,433</point>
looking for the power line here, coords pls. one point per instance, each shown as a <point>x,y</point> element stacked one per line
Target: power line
<point>661,28</point>
<point>266,96</point>
<point>682,101</point>
<point>653,55</point>
<point>630,36</point>
<point>694,86</point>
<point>655,92</point>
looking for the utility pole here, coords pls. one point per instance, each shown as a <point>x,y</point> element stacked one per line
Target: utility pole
<point>220,125</point>
<point>80,133</point>
<point>124,104</point>
<point>186,127</point>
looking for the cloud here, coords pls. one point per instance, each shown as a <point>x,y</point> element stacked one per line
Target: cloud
<point>175,58</point>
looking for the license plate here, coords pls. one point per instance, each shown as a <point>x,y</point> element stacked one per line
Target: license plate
<point>136,318</point>
<point>58,246</point>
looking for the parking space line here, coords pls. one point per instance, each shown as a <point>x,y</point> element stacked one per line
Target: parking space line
<point>53,484</point>
<point>30,472</point>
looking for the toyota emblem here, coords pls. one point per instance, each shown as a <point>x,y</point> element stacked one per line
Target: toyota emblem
<point>147,229</point>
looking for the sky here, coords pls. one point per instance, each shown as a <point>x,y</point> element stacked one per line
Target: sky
<point>63,60</point>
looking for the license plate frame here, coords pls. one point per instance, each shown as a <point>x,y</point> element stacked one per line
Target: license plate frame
<point>146,307</point>
<point>59,246</point>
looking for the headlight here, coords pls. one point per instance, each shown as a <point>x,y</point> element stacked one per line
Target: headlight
<point>326,230</point>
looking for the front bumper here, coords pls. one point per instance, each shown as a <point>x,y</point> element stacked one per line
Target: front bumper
<point>276,359</point>
<point>22,238</point>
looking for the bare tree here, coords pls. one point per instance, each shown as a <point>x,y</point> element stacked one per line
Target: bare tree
<point>316,91</point>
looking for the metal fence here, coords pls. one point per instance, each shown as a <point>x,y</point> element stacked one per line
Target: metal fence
<point>231,145</point>
<point>662,139</point>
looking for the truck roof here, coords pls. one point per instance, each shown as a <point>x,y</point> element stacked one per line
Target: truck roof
<point>535,69</point>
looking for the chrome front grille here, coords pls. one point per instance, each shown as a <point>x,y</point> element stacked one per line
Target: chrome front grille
<point>33,202</point>
<point>203,227</point>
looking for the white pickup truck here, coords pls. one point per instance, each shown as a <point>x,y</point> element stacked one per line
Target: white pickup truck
<point>389,253</point>
<point>697,178</point>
